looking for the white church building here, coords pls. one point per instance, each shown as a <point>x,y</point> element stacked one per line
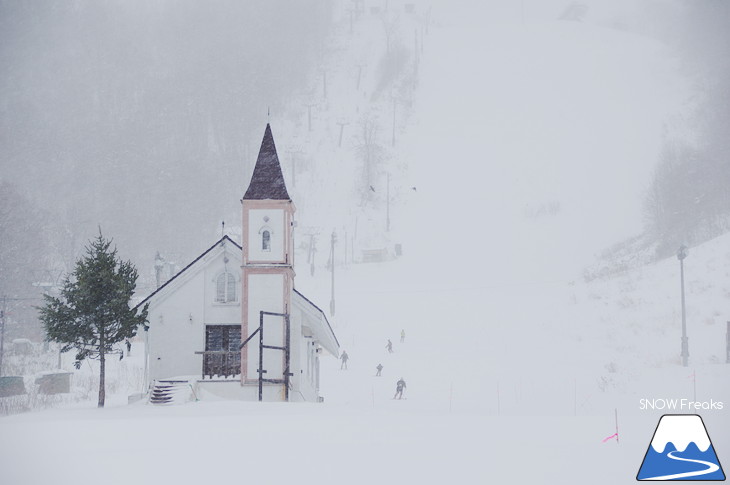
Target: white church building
<point>232,295</point>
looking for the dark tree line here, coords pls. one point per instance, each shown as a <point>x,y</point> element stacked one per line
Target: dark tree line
<point>25,249</point>
<point>689,199</point>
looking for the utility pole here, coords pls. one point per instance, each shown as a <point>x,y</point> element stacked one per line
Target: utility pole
<point>415,47</point>
<point>681,255</point>
<point>415,58</point>
<point>2,332</point>
<point>294,152</point>
<point>342,129</point>
<point>332,262</point>
<point>309,115</point>
<point>146,358</point>
<point>393,141</point>
<point>359,76</point>
<point>324,83</point>
<point>310,254</point>
<point>159,264</point>
<point>387,206</point>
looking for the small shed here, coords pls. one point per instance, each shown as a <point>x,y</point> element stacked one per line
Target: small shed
<point>22,346</point>
<point>11,386</point>
<point>374,255</point>
<point>54,383</point>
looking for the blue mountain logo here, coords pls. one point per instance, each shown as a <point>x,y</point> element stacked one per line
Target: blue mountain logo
<point>681,450</point>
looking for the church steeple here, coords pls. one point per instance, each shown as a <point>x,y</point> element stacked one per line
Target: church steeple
<point>267,181</point>
<point>268,262</point>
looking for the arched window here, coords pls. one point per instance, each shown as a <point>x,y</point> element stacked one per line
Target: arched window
<point>266,241</point>
<point>225,288</point>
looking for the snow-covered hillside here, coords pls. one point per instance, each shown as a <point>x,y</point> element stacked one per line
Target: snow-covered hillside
<point>528,155</point>
<point>504,128</point>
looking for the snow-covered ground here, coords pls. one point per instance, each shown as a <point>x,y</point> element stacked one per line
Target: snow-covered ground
<point>279,443</point>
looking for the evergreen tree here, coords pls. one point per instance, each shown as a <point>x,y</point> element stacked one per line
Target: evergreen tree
<point>93,313</point>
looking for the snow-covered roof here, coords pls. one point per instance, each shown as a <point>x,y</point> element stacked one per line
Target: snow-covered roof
<point>267,181</point>
<point>186,268</point>
<point>316,321</point>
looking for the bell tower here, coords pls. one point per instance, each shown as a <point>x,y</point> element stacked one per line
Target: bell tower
<point>268,266</point>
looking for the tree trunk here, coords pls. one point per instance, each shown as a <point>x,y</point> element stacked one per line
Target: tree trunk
<point>102,393</point>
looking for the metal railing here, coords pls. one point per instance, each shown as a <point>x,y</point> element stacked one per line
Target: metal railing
<point>221,363</point>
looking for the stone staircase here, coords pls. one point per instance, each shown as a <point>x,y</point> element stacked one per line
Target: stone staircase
<point>171,392</point>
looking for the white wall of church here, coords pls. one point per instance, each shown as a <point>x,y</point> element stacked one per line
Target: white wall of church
<point>266,293</point>
<point>304,359</point>
<point>177,331</point>
<point>307,377</point>
<point>179,314</point>
<point>277,230</point>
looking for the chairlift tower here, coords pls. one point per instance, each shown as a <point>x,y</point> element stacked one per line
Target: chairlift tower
<point>682,253</point>
<point>332,264</point>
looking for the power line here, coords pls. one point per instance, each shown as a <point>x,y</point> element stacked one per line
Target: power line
<point>24,299</point>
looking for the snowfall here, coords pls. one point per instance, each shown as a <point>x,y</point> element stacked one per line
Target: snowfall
<point>519,369</point>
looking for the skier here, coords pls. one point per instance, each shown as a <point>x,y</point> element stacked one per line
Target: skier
<point>399,386</point>
<point>389,347</point>
<point>344,357</point>
<point>402,336</point>
<point>380,368</point>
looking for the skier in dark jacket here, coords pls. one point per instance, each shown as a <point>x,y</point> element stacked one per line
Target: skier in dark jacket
<point>344,357</point>
<point>389,346</point>
<point>399,386</point>
<point>380,369</point>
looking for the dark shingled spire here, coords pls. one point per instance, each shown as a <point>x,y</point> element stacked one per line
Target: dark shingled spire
<point>267,181</point>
